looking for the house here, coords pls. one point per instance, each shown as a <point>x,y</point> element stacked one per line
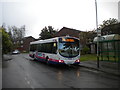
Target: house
<point>68,32</point>
<point>24,43</point>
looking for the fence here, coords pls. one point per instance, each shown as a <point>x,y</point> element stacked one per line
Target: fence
<point>109,48</point>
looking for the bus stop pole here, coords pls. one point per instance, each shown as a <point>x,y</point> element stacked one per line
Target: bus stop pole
<point>97,34</point>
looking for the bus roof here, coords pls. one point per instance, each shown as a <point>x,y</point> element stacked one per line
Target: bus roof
<point>49,40</point>
<point>45,41</point>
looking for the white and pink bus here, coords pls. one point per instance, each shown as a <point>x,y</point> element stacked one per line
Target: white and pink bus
<point>59,50</point>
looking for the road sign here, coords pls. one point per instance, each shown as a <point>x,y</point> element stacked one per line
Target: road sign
<point>99,32</point>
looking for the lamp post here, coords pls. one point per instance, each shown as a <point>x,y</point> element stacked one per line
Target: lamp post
<point>97,34</point>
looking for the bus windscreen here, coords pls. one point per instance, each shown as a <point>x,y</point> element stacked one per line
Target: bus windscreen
<point>68,47</point>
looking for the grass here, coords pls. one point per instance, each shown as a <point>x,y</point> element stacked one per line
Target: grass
<point>88,57</point>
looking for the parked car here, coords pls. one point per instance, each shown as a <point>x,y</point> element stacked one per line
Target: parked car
<point>16,52</point>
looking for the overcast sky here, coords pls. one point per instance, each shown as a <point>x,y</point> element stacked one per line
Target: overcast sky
<point>36,14</point>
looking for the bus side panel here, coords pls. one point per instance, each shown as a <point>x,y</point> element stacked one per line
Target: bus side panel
<point>40,57</point>
<point>58,59</point>
<point>52,58</point>
<point>43,59</point>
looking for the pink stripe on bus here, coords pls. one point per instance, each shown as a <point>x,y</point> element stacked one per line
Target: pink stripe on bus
<point>40,57</point>
<point>50,59</point>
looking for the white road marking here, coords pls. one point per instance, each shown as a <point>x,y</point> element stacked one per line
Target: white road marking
<point>28,82</point>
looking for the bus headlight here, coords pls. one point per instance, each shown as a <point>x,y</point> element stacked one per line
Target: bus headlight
<point>77,60</point>
<point>61,61</point>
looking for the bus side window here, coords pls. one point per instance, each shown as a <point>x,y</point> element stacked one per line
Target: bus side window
<point>39,48</point>
<point>48,47</point>
<point>43,49</point>
<point>54,47</point>
<point>32,47</point>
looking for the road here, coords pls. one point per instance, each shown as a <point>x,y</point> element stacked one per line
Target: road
<point>23,72</point>
<point>0,73</point>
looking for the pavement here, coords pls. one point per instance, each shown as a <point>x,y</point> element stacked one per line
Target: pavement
<point>104,66</point>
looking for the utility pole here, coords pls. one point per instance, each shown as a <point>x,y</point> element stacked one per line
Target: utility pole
<point>97,34</point>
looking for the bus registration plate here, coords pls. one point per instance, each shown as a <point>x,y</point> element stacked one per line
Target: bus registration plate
<point>69,62</point>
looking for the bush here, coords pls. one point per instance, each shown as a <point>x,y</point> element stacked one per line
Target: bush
<point>85,50</point>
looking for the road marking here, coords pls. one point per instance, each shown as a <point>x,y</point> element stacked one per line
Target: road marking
<point>95,71</point>
<point>25,79</point>
<point>28,82</point>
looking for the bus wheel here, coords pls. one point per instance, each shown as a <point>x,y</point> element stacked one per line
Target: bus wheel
<point>47,60</point>
<point>34,57</point>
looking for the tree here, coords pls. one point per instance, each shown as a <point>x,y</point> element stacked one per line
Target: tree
<point>108,22</point>
<point>47,33</point>
<point>6,41</point>
<point>111,29</point>
<point>16,34</point>
<point>87,37</point>
<point>110,26</point>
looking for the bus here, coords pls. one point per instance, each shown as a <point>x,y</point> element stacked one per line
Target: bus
<point>58,50</point>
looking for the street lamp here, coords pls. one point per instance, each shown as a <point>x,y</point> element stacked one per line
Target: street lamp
<point>97,34</point>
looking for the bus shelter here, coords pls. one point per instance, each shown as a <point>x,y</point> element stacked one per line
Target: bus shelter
<point>109,47</point>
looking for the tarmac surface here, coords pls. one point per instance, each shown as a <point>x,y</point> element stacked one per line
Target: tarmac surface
<point>104,66</point>
<point>0,78</point>
<point>20,71</point>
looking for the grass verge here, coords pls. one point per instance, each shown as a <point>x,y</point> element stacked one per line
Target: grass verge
<point>88,57</point>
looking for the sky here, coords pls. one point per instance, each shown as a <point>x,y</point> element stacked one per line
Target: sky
<point>36,14</point>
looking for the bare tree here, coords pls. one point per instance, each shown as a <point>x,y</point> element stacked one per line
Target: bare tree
<point>16,34</point>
